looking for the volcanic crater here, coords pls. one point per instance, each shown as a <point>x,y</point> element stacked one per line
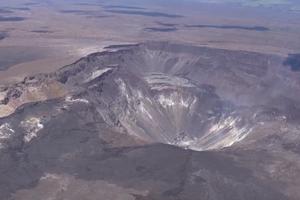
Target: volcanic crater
<point>133,100</point>
<point>192,97</point>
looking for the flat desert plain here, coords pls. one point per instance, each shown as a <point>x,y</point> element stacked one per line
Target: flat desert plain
<point>43,36</point>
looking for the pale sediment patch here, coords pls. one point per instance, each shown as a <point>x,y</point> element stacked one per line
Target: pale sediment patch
<point>123,88</point>
<point>2,95</point>
<point>70,99</point>
<point>6,110</point>
<point>98,73</point>
<point>6,132</point>
<point>159,81</point>
<point>165,102</point>
<point>32,126</point>
<point>225,133</point>
<point>145,111</point>
<point>176,99</point>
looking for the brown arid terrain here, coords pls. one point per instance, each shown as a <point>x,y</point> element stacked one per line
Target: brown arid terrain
<point>149,100</point>
<point>56,33</point>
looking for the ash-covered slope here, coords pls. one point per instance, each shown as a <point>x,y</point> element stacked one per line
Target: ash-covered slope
<point>151,121</point>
